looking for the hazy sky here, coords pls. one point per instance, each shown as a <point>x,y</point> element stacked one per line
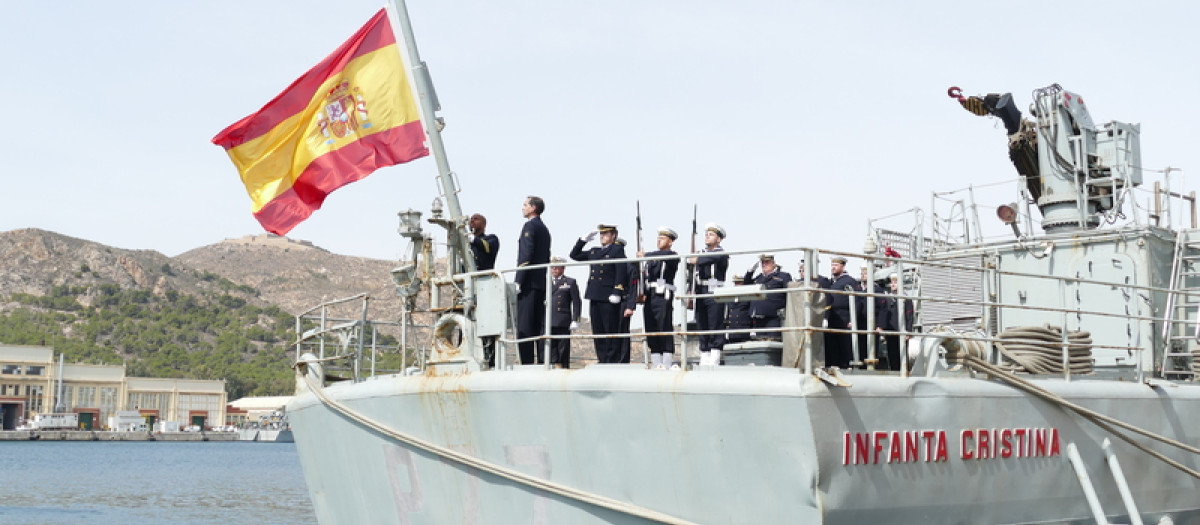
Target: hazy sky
<point>789,122</point>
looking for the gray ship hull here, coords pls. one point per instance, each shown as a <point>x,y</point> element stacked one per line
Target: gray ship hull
<point>738,445</point>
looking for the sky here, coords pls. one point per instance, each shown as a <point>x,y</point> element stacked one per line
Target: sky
<point>790,123</point>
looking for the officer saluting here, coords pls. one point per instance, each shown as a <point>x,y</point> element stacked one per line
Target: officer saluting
<point>764,313</point>
<point>658,313</point>
<point>484,247</point>
<point>605,289</point>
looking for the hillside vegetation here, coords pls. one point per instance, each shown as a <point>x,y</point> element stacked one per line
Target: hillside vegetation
<point>162,317</point>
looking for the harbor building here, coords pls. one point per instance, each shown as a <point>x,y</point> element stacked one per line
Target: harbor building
<point>33,381</point>
<point>256,411</point>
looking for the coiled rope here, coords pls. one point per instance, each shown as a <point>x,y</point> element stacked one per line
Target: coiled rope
<point>1038,349</point>
<point>1105,422</point>
<point>485,466</point>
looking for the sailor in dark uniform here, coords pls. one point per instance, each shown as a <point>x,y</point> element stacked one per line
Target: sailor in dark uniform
<point>565,309</point>
<point>606,288</point>
<point>710,269</point>
<point>628,306</point>
<point>484,247</point>
<point>889,322</point>
<point>658,312</point>
<point>866,284</point>
<point>532,248</point>
<point>764,313</point>
<point>737,316</point>
<point>838,348</point>
<point>820,281</point>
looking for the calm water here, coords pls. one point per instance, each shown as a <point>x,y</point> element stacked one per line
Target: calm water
<point>118,483</point>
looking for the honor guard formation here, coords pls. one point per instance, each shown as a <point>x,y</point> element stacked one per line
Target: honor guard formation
<point>615,290</point>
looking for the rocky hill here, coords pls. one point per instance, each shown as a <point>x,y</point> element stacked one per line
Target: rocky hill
<point>35,261</point>
<point>295,275</point>
<point>268,269</point>
<point>224,311</point>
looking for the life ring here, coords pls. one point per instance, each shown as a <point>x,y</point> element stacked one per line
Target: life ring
<point>446,350</point>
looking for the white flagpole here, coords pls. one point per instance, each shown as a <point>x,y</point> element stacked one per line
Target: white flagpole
<point>427,103</point>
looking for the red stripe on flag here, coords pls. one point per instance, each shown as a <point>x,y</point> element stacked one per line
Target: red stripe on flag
<point>376,34</point>
<point>338,168</point>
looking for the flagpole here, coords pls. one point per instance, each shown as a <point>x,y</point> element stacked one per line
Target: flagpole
<point>425,97</point>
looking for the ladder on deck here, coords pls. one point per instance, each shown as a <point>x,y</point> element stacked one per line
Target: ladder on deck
<point>1181,321</point>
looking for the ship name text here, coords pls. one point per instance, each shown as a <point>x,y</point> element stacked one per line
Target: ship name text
<point>932,446</point>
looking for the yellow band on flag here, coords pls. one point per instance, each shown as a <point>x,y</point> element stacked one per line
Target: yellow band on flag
<point>351,114</point>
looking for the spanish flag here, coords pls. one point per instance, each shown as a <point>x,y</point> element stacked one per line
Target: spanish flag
<point>350,115</point>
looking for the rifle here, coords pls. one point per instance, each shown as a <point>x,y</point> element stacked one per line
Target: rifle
<point>641,277</point>
<point>693,228</point>
<point>691,268</point>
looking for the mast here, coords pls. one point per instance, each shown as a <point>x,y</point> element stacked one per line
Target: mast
<point>455,225</point>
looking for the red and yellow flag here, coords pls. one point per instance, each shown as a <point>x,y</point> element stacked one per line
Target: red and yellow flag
<point>351,114</point>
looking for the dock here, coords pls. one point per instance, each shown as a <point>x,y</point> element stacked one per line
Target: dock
<point>96,435</point>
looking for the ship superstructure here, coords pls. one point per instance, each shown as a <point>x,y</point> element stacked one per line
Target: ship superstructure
<point>1046,378</point>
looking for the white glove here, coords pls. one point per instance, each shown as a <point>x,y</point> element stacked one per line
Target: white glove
<point>590,235</point>
<point>574,326</point>
<point>470,237</point>
<point>752,268</point>
<point>517,286</point>
<point>614,299</point>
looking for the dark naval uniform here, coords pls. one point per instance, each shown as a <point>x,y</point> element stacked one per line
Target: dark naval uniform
<point>838,349</point>
<point>737,317</point>
<point>860,312</point>
<point>764,313</point>
<point>658,312</point>
<point>710,315</point>
<point>605,281</point>
<point>566,307</point>
<point>484,249</point>
<point>889,323</point>
<point>628,303</point>
<point>532,248</point>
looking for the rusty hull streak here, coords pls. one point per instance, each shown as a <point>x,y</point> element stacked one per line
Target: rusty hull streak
<point>446,399</point>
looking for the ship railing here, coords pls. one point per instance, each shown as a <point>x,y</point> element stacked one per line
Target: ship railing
<point>343,342</point>
<point>981,327</point>
<point>954,217</point>
<point>1068,315</point>
<point>681,299</point>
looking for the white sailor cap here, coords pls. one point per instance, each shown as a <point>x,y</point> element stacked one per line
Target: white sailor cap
<point>558,259</point>
<point>667,232</point>
<point>715,228</point>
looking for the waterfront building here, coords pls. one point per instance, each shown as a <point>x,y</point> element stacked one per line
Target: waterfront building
<point>30,384</point>
<point>255,411</point>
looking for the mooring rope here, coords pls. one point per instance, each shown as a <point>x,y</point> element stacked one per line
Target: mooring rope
<point>1038,349</point>
<point>1105,422</point>
<point>485,466</point>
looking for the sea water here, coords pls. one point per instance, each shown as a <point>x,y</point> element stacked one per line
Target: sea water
<point>118,483</point>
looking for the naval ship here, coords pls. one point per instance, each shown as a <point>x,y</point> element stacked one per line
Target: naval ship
<point>1049,377</point>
